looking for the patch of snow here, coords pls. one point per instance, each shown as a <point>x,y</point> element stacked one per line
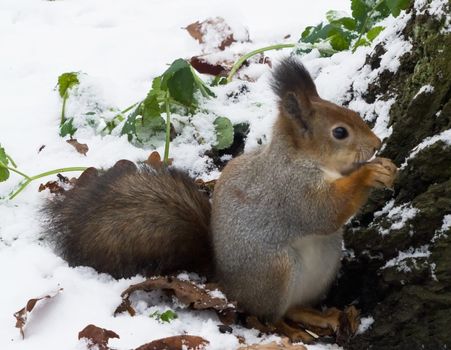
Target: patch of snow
<point>411,253</point>
<point>387,207</point>
<point>434,8</point>
<point>365,324</point>
<point>432,267</point>
<point>399,215</point>
<point>441,232</point>
<point>437,8</point>
<point>446,223</point>
<point>382,110</point>
<point>444,136</point>
<point>217,294</point>
<point>424,89</point>
<point>396,46</point>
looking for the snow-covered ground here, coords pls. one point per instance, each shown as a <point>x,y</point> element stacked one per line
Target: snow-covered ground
<point>122,45</point>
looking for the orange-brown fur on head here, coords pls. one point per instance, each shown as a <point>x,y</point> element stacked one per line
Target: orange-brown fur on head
<point>311,123</point>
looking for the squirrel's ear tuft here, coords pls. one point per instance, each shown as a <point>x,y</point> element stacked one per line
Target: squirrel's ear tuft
<point>298,108</point>
<point>294,86</point>
<point>291,76</point>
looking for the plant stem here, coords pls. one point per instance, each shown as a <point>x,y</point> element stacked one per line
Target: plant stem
<point>119,117</point>
<point>16,171</point>
<point>12,161</point>
<point>362,30</point>
<point>35,177</point>
<point>56,171</point>
<point>130,107</point>
<point>241,60</point>
<point>168,130</point>
<point>63,110</point>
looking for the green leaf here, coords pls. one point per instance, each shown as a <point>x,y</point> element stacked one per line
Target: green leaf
<point>156,84</point>
<point>181,81</point>
<point>337,18</point>
<point>361,42</point>
<point>168,316</point>
<point>307,31</point>
<point>67,128</point>
<point>395,6</point>
<point>181,86</point>
<point>347,22</point>
<point>360,10</point>
<point>66,81</point>
<point>318,32</point>
<point>129,128</point>
<point>146,128</point>
<point>4,173</point>
<point>224,133</point>
<point>150,107</point>
<point>218,80</point>
<point>374,32</point>
<point>333,15</point>
<point>339,42</point>
<point>149,111</point>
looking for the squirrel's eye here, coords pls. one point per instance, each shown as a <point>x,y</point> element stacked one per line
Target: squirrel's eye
<point>340,133</point>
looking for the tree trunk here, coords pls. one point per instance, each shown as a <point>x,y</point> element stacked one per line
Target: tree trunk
<point>400,272</point>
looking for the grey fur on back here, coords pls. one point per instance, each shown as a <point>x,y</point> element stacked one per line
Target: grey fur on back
<point>133,220</point>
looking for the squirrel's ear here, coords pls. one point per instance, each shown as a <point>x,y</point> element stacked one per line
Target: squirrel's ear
<point>297,107</point>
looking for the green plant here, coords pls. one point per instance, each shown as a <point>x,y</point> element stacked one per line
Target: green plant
<point>175,90</point>
<point>7,165</point>
<point>165,317</point>
<point>92,112</point>
<point>178,90</point>
<point>66,82</point>
<point>339,32</point>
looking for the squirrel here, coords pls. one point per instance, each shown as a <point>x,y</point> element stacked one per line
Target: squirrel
<point>272,234</point>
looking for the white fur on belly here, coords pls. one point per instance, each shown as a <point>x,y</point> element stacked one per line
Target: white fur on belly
<point>317,266</point>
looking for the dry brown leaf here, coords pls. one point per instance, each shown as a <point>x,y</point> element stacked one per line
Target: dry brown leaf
<point>97,337</point>
<point>202,65</point>
<point>178,342</point>
<point>22,315</point>
<point>195,30</point>
<point>80,147</point>
<point>186,292</point>
<point>215,29</point>
<point>154,160</point>
<point>57,186</point>
<point>52,186</point>
<point>284,344</point>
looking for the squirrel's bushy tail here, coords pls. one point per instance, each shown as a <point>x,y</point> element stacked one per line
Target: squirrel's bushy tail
<point>133,220</point>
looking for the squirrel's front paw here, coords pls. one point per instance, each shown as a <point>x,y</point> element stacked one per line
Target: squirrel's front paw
<point>381,173</point>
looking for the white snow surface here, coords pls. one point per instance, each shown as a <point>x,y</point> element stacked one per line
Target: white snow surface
<point>444,136</point>
<point>365,324</point>
<point>411,253</point>
<point>424,89</point>
<point>121,46</point>
<point>399,215</point>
